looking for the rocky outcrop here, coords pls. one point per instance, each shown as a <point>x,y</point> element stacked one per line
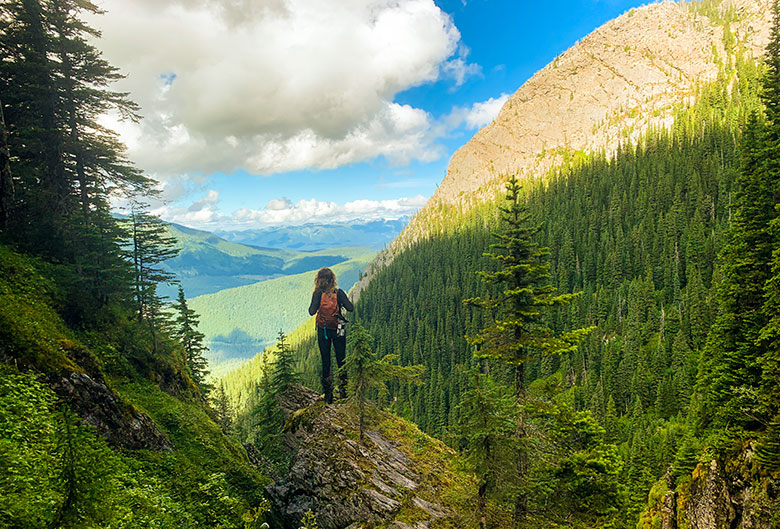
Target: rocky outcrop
<point>102,408</point>
<point>728,495</point>
<point>349,484</point>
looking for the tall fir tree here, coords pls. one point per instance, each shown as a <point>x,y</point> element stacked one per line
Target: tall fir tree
<point>735,365</point>
<point>186,331</point>
<point>769,336</point>
<point>520,329</point>
<point>55,86</point>
<point>6,178</point>
<point>150,245</point>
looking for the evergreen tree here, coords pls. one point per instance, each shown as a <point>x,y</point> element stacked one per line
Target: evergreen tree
<point>577,481</point>
<point>769,337</point>
<point>6,179</point>
<point>55,87</point>
<point>735,363</point>
<point>222,407</point>
<point>191,338</point>
<point>284,367</point>
<point>520,330</point>
<point>150,245</point>
<point>365,371</point>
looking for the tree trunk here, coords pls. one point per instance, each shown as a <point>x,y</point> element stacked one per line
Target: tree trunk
<point>6,181</point>
<point>482,505</point>
<point>521,501</point>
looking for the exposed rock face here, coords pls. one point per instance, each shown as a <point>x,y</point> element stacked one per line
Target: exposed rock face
<point>719,495</point>
<point>624,78</point>
<point>347,484</point>
<point>100,407</point>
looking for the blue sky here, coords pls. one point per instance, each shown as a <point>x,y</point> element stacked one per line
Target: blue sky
<point>265,112</point>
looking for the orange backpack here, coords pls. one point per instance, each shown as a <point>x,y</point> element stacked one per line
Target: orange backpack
<point>328,313</point>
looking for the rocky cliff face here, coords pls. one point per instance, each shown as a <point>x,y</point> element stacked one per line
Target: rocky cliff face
<point>394,479</point>
<point>100,407</point>
<point>719,494</point>
<point>624,78</point>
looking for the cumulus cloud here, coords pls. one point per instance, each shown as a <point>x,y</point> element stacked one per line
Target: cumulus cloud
<point>210,200</point>
<point>282,211</point>
<point>479,115</point>
<point>314,210</point>
<point>278,85</point>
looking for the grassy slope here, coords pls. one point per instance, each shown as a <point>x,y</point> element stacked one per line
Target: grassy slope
<point>205,480</point>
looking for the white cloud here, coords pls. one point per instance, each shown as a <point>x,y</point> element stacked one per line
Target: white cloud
<point>314,210</point>
<point>210,200</point>
<point>278,85</point>
<point>459,69</point>
<point>282,211</point>
<point>479,115</point>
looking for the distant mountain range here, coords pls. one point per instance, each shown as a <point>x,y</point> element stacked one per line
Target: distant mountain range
<point>207,263</point>
<point>245,294</point>
<point>375,234</point>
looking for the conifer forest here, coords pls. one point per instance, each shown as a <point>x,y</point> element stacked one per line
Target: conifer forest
<point>595,346</point>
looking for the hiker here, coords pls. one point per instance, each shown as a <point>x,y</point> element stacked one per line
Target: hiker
<point>327,300</point>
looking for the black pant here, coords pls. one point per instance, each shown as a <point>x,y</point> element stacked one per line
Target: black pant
<point>324,338</point>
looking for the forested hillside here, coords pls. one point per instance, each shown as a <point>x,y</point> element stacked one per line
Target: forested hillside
<point>206,264</point>
<point>651,238</point>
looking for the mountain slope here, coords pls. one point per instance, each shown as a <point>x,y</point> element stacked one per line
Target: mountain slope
<point>626,77</point>
<point>100,421</point>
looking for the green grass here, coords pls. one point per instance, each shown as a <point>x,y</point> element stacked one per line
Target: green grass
<point>30,328</point>
<point>205,481</point>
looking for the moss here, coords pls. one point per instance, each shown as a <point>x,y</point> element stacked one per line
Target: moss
<point>650,518</point>
<point>30,328</point>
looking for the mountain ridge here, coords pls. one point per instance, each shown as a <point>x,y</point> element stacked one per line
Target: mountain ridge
<point>624,78</point>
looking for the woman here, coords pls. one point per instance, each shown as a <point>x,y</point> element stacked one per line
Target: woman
<point>326,301</point>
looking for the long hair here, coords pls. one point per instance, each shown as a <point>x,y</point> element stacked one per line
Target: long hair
<point>325,281</point>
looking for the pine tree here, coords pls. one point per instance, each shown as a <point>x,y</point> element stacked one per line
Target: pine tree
<point>519,330</point>
<point>222,407</point>
<point>366,372</point>
<point>578,479</point>
<point>6,179</point>
<point>55,87</point>
<point>769,336</point>
<point>734,363</point>
<point>186,331</point>
<point>284,367</point>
